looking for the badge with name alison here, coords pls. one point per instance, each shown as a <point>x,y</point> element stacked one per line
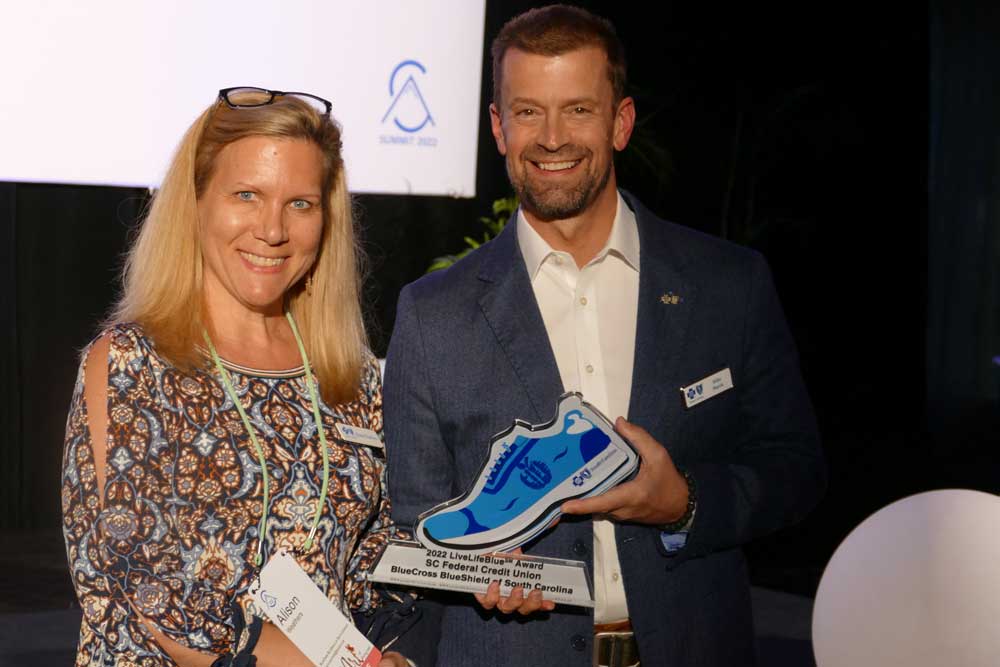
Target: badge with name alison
<point>299,609</point>
<point>529,472</point>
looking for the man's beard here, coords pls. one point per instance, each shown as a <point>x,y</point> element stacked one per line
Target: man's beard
<point>558,202</point>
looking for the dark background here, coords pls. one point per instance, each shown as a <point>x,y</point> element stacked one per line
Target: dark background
<point>855,146</point>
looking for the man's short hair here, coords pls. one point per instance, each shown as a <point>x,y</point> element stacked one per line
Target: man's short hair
<point>555,30</point>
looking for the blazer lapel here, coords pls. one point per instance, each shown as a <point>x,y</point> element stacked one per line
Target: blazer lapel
<point>665,302</point>
<point>509,306</point>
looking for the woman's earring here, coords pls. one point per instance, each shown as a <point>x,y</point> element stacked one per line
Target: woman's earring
<point>309,285</point>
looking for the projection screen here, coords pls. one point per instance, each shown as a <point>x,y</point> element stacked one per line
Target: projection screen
<point>101,92</point>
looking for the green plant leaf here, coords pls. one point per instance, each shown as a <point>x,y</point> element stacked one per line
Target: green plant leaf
<point>503,208</point>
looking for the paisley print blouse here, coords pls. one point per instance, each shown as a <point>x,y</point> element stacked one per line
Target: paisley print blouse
<point>178,529</point>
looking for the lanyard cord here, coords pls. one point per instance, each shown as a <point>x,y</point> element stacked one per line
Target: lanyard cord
<point>318,419</point>
<point>311,385</point>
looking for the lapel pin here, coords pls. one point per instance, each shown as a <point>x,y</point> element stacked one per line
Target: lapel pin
<point>670,299</point>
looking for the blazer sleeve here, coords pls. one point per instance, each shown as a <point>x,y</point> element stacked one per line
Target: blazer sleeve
<point>776,471</point>
<point>420,466</point>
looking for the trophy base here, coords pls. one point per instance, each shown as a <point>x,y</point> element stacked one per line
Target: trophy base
<point>410,564</point>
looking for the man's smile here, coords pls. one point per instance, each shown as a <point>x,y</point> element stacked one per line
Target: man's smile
<point>556,166</point>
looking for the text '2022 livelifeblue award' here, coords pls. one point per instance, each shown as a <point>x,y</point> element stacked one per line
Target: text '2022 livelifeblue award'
<point>529,472</point>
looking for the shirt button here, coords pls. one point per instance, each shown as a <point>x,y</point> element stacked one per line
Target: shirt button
<point>579,548</point>
<point>557,259</point>
<point>615,577</point>
<point>589,368</point>
<point>583,301</point>
<point>578,642</point>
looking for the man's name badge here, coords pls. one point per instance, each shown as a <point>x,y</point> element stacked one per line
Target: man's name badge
<point>359,435</point>
<point>296,606</point>
<point>702,390</point>
<point>410,564</point>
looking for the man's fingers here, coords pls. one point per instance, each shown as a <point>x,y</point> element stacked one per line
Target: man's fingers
<point>532,603</point>
<point>491,597</point>
<point>638,437</point>
<point>516,601</point>
<point>512,603</point>
<point>606,503</point>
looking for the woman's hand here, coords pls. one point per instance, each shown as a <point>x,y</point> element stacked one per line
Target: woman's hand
<point>275,649</point>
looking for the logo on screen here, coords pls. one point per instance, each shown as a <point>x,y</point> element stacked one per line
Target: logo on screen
<point>408,108</point>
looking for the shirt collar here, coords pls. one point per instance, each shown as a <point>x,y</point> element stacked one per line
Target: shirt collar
<point>622,242</point>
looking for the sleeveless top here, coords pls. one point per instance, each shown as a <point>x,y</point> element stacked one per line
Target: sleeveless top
<point>183,496</point>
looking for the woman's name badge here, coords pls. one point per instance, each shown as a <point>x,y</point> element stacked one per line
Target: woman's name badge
<point>295,605</point>
<point>359,435</point>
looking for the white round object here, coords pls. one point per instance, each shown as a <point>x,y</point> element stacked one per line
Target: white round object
<point>917,584</point>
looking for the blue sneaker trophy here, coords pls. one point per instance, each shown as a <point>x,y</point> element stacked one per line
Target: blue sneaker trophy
<point>530,472</point>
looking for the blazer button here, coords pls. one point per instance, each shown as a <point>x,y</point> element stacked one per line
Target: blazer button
<point>578,642</point>
<point>579,548</point>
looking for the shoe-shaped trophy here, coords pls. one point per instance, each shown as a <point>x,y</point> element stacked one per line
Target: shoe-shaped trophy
<point>531,470</point>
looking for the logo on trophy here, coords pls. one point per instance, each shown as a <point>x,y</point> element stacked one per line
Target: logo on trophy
<point>531,470</point>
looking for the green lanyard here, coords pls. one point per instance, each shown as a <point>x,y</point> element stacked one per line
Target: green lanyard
<point>227,382</point>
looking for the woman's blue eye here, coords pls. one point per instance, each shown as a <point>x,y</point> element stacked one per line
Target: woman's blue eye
<point>301,204</point>
<point>245,195</point>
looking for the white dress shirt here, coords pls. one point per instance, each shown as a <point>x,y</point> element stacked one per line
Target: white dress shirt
<point>590,317</point>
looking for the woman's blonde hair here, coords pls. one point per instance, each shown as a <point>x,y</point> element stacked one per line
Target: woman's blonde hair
<point>162,277</point>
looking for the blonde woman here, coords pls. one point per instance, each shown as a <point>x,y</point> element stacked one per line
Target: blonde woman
<point>192,454</point>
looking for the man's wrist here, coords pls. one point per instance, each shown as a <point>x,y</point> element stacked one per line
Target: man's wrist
<point>683,522</point>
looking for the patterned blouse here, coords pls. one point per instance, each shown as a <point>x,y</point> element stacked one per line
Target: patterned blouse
<point>183,497</point>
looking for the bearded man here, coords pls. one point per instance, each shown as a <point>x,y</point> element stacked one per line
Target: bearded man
<point>586,290</point>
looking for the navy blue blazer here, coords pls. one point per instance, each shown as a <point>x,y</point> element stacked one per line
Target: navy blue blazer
<point>469,354</point>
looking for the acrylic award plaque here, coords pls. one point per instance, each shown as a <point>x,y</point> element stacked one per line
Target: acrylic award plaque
<point>529,472</point>
<point>409,564</point>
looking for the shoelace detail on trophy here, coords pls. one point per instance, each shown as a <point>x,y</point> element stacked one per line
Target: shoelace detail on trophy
<point>509,449</point>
